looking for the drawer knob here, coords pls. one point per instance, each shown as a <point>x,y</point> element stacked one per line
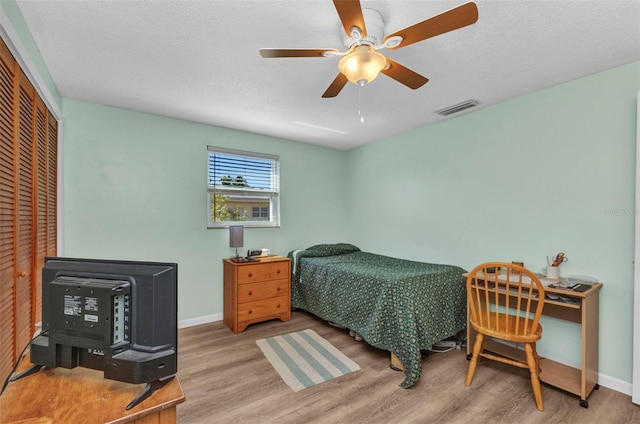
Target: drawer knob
<point>250,311</point>
<point>250,293</point>
<point>278,306</point>
<point>278,271</point>
<point>250,275</point>
<point>23,274</point>
<point>279,289</point>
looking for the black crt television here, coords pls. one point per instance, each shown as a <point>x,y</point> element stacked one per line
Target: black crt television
<point>119,317</point>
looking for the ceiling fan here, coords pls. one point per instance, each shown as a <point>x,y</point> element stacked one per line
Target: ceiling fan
<point>362,62</point>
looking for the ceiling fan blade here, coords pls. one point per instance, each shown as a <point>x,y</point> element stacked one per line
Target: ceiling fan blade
<point>295,52</point>
<point>350,14</point>
<point>458,17</point>
<point>404,75</point>
<point>336,86</point>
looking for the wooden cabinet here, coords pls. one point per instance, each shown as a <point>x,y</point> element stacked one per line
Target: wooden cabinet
<point>256,291</point>
<point>28,205</point>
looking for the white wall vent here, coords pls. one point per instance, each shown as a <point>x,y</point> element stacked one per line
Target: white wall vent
<point>458,108</point>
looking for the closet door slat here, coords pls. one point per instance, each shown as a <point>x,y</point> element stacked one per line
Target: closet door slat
<point>7,205</point>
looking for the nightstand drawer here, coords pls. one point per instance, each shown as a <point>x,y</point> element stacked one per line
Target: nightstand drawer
<point>257,291</point>
<point>263,272</point>
<point>260,308</point>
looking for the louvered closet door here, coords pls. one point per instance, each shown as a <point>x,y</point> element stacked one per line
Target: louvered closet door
<point>45,195</point>
<point>28,202</point>
<point>7,204</point>
<point>52,186</point>
<point>25,232</point>
<point>40,146</point>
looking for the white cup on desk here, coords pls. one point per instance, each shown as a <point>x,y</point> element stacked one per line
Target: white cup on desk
<point>551,272</point>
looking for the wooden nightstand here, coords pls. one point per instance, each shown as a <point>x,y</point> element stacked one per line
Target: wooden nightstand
<point>256,291</point>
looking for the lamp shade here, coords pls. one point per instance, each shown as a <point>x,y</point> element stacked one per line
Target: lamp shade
<point>236,236</point>
<point>362,65</point>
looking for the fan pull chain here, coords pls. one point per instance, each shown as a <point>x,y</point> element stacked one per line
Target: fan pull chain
<point>359,103</point>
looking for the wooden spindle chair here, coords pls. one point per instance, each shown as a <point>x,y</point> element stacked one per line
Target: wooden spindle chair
<point>505,302</point>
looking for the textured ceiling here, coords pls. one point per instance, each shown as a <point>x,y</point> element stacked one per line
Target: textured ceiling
<point>199,60</point>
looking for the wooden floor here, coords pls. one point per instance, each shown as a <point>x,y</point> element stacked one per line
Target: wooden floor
<point>226,379</point>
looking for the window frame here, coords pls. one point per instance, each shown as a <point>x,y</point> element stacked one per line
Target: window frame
<point>272,193</point>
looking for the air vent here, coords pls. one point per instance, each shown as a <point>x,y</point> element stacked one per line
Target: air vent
<point>458,108</point>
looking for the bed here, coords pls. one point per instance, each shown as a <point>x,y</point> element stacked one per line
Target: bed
<point>397,305</point>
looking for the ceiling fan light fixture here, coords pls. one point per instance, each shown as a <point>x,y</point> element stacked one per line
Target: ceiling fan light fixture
<point>362,65</point>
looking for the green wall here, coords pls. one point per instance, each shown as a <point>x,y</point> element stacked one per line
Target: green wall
<point>135,187</point>
<point>548,172</point>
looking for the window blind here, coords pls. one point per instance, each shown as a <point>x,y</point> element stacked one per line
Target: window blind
<point>235,170</point>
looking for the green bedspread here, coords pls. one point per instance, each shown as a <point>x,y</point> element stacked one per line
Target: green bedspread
<point>397,305</point>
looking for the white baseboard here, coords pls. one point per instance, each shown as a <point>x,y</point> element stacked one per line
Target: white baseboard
<point>615,384</point>
<point>200,320</point>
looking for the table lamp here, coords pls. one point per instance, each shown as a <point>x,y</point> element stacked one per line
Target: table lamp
<point>236,236</point>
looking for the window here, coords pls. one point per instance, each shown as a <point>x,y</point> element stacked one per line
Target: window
<point>242,186</point>
<point>260,212</point>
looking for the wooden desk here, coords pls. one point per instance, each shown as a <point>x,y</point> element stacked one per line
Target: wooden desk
<point>83,396</point>
<point>585,311</point>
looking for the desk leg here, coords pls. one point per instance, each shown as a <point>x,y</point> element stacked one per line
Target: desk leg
<point>590,340</point>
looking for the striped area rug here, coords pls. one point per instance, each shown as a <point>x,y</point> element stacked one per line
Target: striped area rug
<point>304,359</point>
